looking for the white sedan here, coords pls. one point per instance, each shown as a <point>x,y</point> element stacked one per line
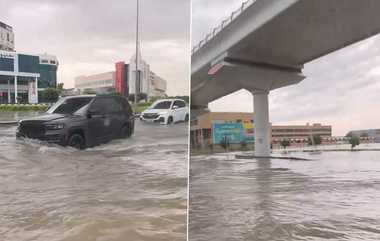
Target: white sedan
<point>166,111</point>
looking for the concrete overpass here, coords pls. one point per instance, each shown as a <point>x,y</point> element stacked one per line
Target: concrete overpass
<point>263,46</point>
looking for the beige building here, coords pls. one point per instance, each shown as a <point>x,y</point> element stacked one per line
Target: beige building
<point>280,132</point>
<point>96,81</point>
<point>157,85</point>
<point>201,129</point>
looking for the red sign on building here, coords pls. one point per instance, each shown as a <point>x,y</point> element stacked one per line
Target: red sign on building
<point>120,78</point>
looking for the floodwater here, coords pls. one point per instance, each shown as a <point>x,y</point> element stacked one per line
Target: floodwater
<point>334,197</point>
<point>17,115</point>
<point>133,189</point>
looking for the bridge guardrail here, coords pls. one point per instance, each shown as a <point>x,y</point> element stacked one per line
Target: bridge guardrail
<point>223,24</point>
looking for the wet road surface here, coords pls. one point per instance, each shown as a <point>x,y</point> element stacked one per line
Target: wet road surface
<point>133,189</point>
<point>334,197</point>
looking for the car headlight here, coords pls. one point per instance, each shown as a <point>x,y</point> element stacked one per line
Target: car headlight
<point>162,113</point>
<point>54,126</point>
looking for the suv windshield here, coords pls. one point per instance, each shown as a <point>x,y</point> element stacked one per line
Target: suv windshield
<point>69,106</point>
<point>162,105</point>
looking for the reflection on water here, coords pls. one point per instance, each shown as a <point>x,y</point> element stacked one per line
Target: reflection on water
<point>334,197</point>
<point>134,189</point>
<point>17,115</point>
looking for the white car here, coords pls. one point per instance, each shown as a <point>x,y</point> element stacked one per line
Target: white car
<point>166,111</point>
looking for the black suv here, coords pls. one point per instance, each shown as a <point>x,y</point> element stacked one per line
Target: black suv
<point>81,121</point>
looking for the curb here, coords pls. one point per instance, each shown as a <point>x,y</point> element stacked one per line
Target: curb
<point>271,157</point>
<point>8,123</point>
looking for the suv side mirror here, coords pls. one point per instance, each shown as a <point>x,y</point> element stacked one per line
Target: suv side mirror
<point>92,112</point>
<point>175,107</point>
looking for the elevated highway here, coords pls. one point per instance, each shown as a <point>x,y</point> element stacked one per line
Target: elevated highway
<point>264,45</point>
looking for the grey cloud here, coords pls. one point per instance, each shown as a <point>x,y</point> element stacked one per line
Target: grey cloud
<point>95,34</point>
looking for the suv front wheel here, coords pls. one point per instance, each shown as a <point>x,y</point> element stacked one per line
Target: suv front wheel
<point>170,120</point>
<point>76,141</point>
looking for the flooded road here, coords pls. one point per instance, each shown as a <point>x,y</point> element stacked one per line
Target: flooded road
<point>133,189</point>
<point>334,197</point>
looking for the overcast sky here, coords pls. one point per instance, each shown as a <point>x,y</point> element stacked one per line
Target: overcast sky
<point>88,37</point>
<point>341,89</point>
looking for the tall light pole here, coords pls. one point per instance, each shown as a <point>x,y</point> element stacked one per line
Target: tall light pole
<point>137,76</point>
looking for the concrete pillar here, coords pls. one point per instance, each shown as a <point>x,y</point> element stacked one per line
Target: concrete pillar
<point>36,88</point>
<point>9,91</point>
<point>16,90</point>
<point>261,123</point>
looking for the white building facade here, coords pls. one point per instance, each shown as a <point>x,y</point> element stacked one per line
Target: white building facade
<point>149,83</point>
<point>7,38</point>
<point>22,75</point>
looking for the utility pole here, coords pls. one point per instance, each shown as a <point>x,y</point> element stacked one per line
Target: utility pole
<point>137,76</point>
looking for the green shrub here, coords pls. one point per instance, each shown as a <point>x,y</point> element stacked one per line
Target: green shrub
<point>23,107</point>
<point>50,94</point>
<point>316,138</point>
<point>354,141</point>
<point>285,143</point>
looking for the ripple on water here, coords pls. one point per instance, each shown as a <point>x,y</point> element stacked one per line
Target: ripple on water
<point>331,198</point>
<point>132,188</point>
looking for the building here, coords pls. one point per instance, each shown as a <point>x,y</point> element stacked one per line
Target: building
<point>98,82</point>
<point>121,80</point>
<point>202,129</point>
<point>157,85</point>
<point>373,134</point>
<point>149,83</point>
<point>300,132</point>
<point>23,76</point>
<point>7,39</point>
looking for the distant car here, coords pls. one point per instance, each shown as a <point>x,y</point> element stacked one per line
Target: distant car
<point>81,121</point>
<point>166,111</point>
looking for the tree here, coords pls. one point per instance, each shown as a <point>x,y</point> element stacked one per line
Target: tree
<point>89,92</point>
<point>140,96</point>
<point>316,139</point>
<point>154,98</point>
<point>50,95</point>
<point>354,141</point>
<point>60,86</point>
<point>285,143</point>
<point>182,97</point>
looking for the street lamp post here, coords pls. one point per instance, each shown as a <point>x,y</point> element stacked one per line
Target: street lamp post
<point>137,49</point>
